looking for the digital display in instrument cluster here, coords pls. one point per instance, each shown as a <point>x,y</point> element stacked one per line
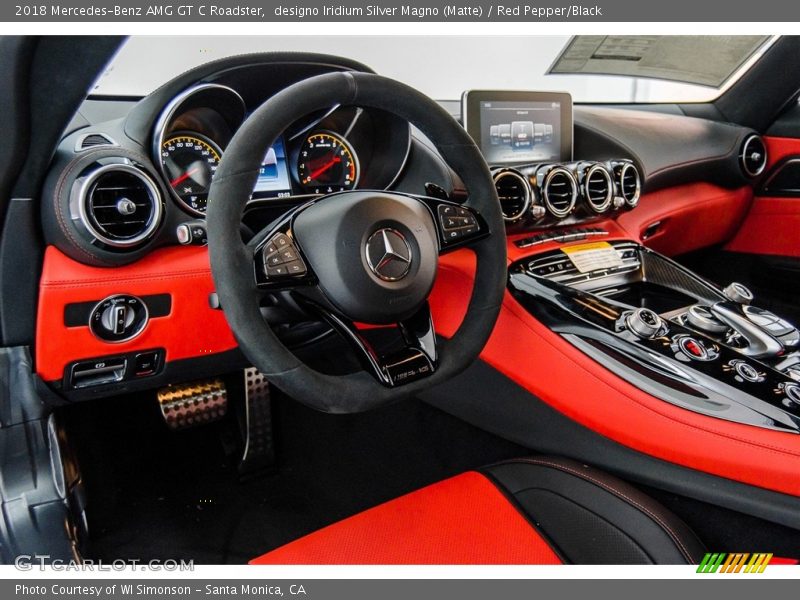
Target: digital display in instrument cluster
<point>273,178</point>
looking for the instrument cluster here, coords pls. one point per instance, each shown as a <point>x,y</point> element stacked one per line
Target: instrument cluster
<point>325,153</point>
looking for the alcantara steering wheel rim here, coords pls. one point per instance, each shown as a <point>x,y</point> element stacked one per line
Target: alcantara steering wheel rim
<point>232,261</point>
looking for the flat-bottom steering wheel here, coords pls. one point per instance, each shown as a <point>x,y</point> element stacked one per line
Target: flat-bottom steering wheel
<point>356,256</point>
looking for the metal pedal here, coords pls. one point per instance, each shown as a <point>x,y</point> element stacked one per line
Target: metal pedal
<point>259,450</point>
<point>193,404</point>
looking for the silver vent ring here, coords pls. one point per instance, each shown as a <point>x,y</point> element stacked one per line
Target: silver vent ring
<point>548,180</point>
<point>526,202</point>
<point>83,198</point>
<point>598,169</point>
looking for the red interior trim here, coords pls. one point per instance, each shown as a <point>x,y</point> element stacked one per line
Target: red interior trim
<point>549,367</point>
<point>192,328</point>
<point>691,217</point>
<point>462,520</point>
<point>772,224</point>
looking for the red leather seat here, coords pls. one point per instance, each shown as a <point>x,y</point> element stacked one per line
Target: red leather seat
<point>527,511</point>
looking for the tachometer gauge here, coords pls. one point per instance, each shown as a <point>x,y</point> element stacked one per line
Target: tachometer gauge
<point>327,164</point>
<point>190,161</point>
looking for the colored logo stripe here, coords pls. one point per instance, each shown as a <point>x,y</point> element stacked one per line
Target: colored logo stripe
<point>735,562</point>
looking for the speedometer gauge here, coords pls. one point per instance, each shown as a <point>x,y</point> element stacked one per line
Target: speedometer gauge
<point>190,161</point>
<point>327,164</point>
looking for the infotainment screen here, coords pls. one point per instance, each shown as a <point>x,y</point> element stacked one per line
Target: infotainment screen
<point>513,127</point>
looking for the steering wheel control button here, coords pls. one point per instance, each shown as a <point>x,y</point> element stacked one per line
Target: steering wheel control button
<point>692,348</point>
<point>746,372</point>
<point>388,254</point>
<point>456,222</point>
<point>644,323</point>
<point>118,318</point>
<point>282,259</point>
<point>736,292</point>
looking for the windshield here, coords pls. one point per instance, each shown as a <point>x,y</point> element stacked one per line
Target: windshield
<point>619,69</point>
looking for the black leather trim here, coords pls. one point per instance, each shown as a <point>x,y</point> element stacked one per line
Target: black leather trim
<point>590,517</point>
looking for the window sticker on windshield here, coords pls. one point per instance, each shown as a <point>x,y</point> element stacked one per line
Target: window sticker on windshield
<point>659,57</point>
<point>592,257</point>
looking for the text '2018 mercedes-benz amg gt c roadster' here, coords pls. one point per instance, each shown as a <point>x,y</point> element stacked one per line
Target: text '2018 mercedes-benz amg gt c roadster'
<point>263,303</point>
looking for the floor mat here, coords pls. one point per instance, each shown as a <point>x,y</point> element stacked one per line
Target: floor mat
<point>157,494</point>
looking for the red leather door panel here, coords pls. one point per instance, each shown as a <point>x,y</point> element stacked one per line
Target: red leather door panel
<point>772,223</point>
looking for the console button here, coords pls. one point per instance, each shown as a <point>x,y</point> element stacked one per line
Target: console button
<point>645,323</point>
<point>695,349</point>
<point>738,293</point>
<point>746,371</point>
<point>792,391</point>
<point>145,364</point>
<point>700,317</point>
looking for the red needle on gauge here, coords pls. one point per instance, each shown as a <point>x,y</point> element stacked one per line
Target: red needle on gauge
<point>184,177</point>
<point>324,168</point>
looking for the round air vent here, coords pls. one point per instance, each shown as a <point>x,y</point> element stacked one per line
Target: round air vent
<point>560,191</point>
<point>753,156</point>
<point>629,184</point>
<point>514,193</point>
<point>598,188</point>
<point>120,205</point>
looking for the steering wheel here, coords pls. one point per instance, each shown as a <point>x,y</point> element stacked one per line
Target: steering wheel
<point>356,256</point>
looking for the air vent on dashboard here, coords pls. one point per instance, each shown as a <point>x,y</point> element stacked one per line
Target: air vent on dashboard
<point>559,190</point>
<point>629,184</point>
<point>120,205</point>
<point>93,140</point>
<point>753,156</point>
<point>598,188</point>
<point>514,193</point>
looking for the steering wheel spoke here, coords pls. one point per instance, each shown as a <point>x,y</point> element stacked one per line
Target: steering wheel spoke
<point>457,225</point>
<point>415,358</point>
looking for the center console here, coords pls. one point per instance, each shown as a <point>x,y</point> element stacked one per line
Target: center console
<point>667,331</point>
<point>641,315</point>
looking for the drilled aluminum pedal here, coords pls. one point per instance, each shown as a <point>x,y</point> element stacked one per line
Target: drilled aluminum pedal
<point>193,404</point>
<point>259,452</point>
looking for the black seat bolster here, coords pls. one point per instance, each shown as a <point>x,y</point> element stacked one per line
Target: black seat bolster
<point>590,517</point>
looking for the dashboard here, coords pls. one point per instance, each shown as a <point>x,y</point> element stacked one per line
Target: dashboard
<point>127,191</point>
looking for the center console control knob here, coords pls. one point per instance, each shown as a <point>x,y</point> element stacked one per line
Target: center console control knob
<point>700,317</point>
<point>736,292</point>
<point>645,323</point>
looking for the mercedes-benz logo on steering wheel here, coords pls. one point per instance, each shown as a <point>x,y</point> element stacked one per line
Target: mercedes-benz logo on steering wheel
<point>388,254</point>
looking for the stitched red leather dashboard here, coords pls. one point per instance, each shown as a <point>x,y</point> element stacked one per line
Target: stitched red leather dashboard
<point>461,520</point>
<point>549,367</point>
<point>772,224</point>
<point>190,330</point>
